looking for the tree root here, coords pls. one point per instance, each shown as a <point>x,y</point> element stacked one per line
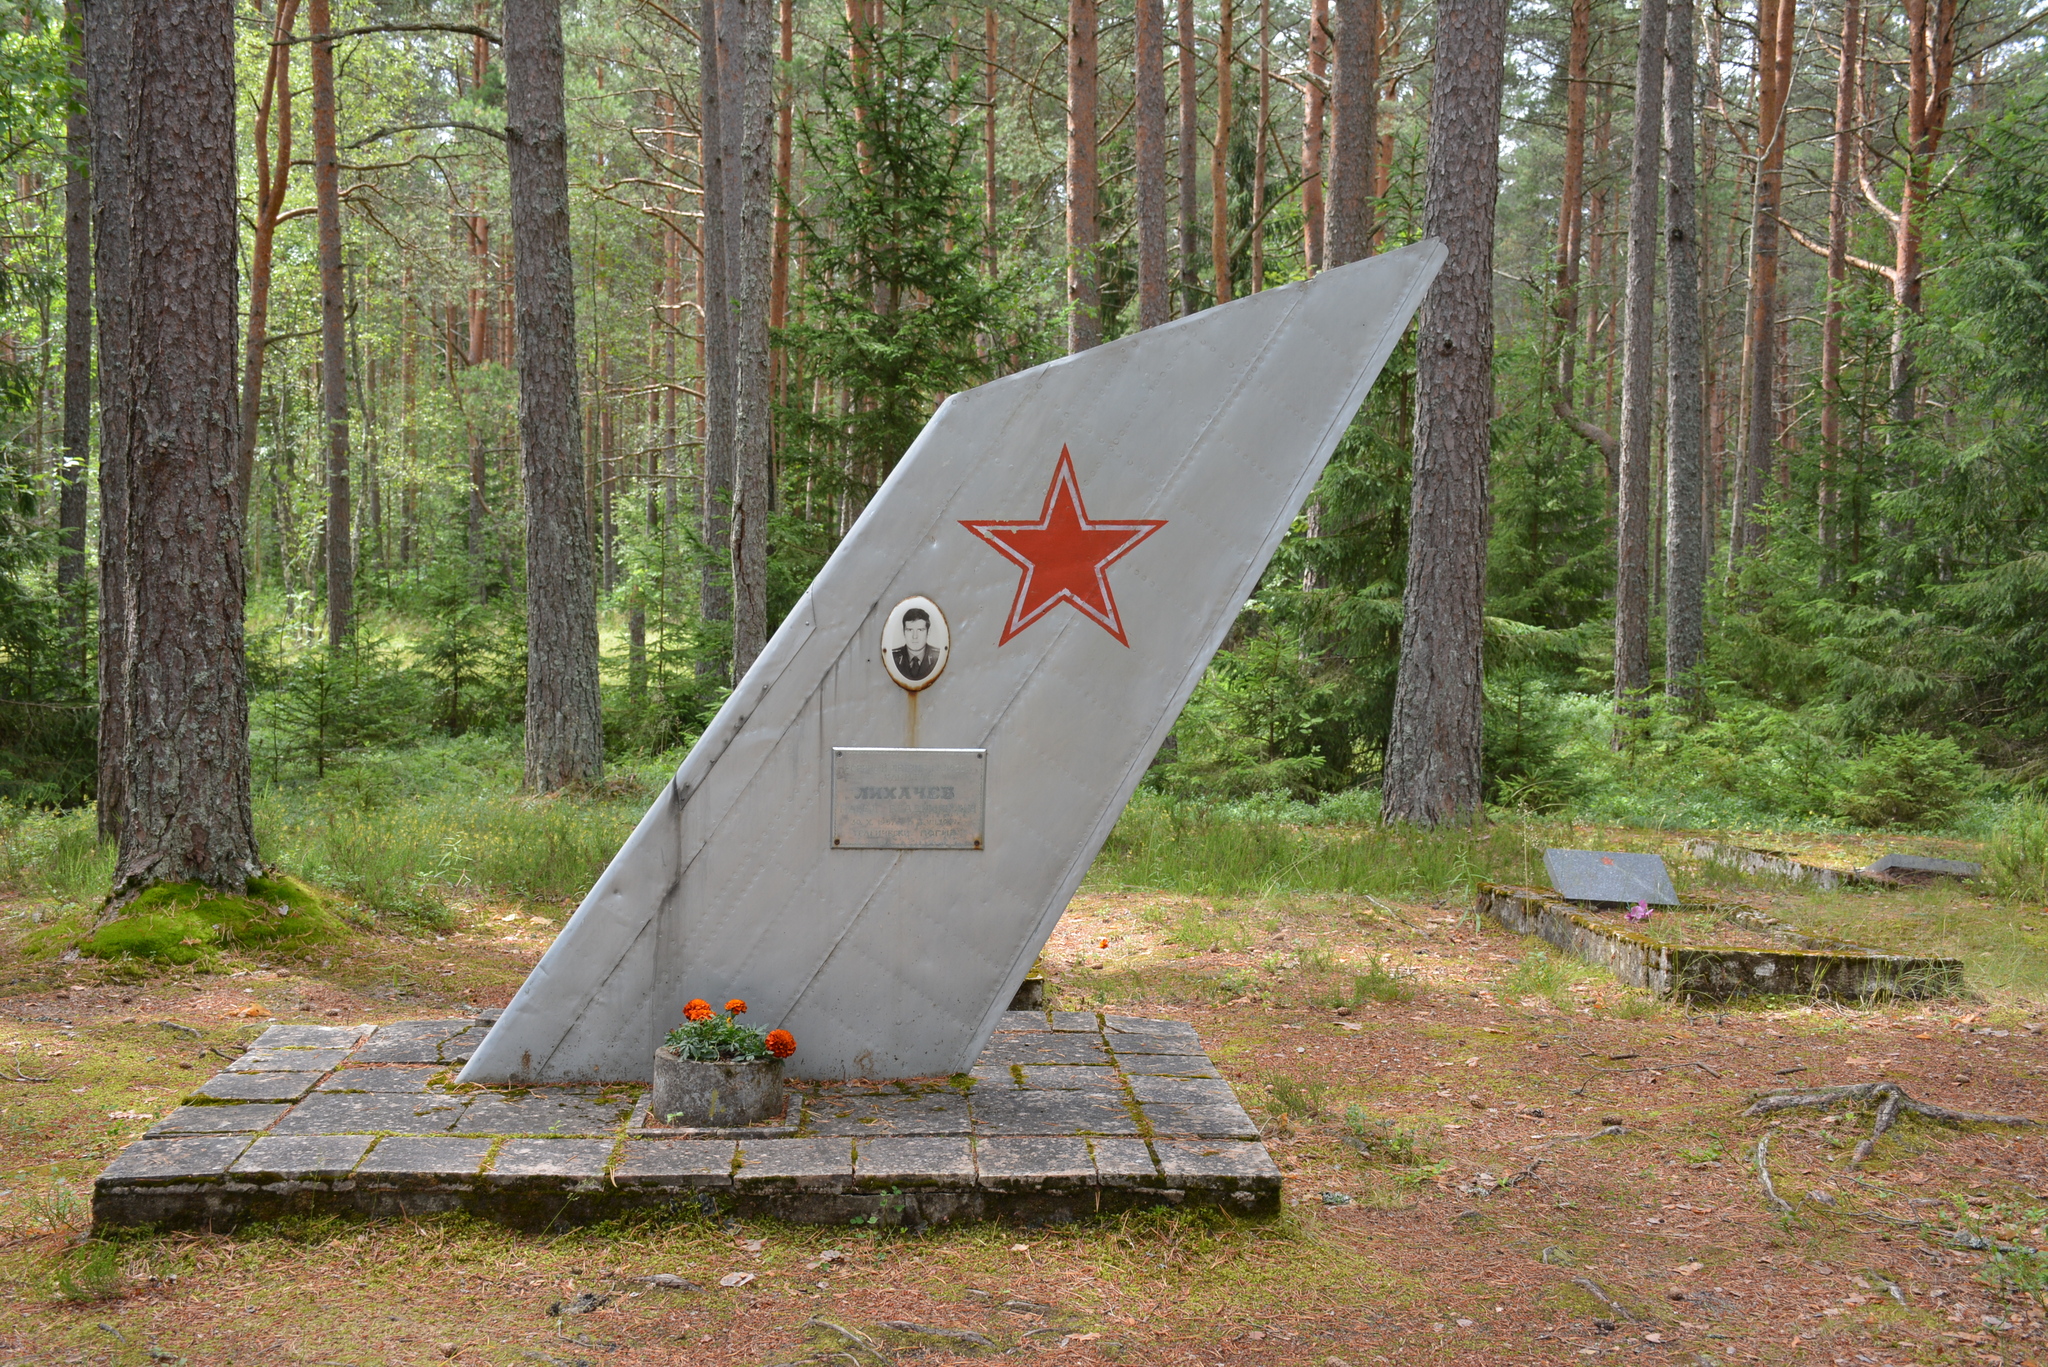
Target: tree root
<point>1891,1099</point>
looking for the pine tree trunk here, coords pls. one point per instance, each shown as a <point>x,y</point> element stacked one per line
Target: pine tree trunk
<point>1354,116</point>
<point>564,728</point>
<point>1432,774</point>
<point>1760,382</point>
<point>1154,307</point>
<point>71,498</point>
<point>111,98</point>
<point>1219,156</point>
<point>333,355</point>
<point>188,817</point>
<point>1190,273</point>
<point>1262,128</point>
<point>1571,200</point>
<point>1838,277</point>
<point>1685,570</point>
<point>1638,363</point>
<point>1084,291</point>
<point>750,252</point>
<point>715,305</point>
<point>988,135</point>
<point>1312,134</point>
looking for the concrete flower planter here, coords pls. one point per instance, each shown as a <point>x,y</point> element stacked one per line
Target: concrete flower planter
<point>689,1094</point>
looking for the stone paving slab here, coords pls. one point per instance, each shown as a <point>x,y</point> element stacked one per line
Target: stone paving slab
<point>288,1060</point>
<point>1066,1114</point>
<point>231,1119</point>
<point>302,1157</point>
<point>385,1077</point>
<point>426,1157</point>
<point>258,1086</point>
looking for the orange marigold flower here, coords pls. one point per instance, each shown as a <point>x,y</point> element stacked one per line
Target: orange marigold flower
<point>736,1007</point>
<point>697,1009</point>
<point>781,1043</point>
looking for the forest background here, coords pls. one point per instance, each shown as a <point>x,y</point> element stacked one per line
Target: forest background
<point>1875,463</point>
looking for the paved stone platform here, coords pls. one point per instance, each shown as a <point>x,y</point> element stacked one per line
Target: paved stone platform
<point>1065,1114</point>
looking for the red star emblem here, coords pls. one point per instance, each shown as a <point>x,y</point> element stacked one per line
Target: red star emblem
<point>1065,557</point>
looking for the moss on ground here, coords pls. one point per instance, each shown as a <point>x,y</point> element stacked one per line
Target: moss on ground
<point>177,923</point>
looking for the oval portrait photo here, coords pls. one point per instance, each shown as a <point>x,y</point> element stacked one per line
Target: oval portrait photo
<point>914,643</point>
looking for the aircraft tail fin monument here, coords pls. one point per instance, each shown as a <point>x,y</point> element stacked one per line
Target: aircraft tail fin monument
<point>880,828</point>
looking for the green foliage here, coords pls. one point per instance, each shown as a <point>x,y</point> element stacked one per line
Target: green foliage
<point>1909,779</point>
<point>1267,717</point>
<point>177,923</point>
<point>1542,974</point>
<point>1296,1100</point>
<point>90,1273</point>
<point>474,652</point>
<point>1380,984</point>
<point>1522,745</point>
<point>1388,1141</point>
<point>718,1036</point>
<point>331,702</point>
<point>894,302</point>
<point>2016,859</point>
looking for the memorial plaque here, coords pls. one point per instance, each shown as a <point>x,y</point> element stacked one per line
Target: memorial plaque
<point>1921,864</point>
<point>1610,876</point>
<point>907,799</point>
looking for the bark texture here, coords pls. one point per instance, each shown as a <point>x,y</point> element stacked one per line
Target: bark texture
<point>1638,360</point>
<point>71,498</point>
<point>750,252</point>
<point>564,731</point>
<point>188,816</point>
<point>112,97</point>
<point>273,179</point>
<point>1084,290</point>
<point>333,321</point>
<point>1571,199</point>
<point>1685,567</point>
<point>1433,745</point>
<point>1846,101</point>
<point>715,303</point>
<point>1190,273</point>
<point>1354,115</point>
<point>1154,307</point>
<point>1760,379</point>
<point>1219,157</point>
<point>1312,119</point>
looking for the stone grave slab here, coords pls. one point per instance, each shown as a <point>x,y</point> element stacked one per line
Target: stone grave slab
<point>383,1138</point>
<point>1610,876</point>
<point>1892,865</point>
<point>288,1060</point>
<point>289,1036</point>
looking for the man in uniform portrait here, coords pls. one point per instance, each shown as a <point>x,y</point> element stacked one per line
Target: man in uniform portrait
<point>916,657</point>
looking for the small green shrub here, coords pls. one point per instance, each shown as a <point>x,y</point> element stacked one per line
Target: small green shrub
<point>2016,860</point>
<point>1541,974</point>
<point>1380,984</point>
<point>91,1273</point>
<point>177,923</point>
<point>1386,1141</point>
<point>1297,1100</point>
<point>1909,779</point>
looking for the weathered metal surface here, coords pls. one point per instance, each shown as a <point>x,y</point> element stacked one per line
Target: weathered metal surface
<point>1808,965</point>
<point>1893,864</point>
<point>1147,483</point>
<point>908,799</point>
<point>1610,876</point>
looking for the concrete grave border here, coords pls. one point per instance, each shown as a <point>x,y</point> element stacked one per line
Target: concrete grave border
<point>1808,965</point>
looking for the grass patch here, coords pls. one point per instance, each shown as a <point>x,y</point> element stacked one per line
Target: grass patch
<point>178,923</point>
<point>1543,974</point>
<point>1208,850</point>
<point>1380,984</point>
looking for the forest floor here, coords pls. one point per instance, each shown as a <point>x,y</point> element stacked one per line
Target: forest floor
<point>1428,1084</point>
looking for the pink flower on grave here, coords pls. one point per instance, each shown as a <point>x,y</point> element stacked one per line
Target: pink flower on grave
<point>1639,912</point>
